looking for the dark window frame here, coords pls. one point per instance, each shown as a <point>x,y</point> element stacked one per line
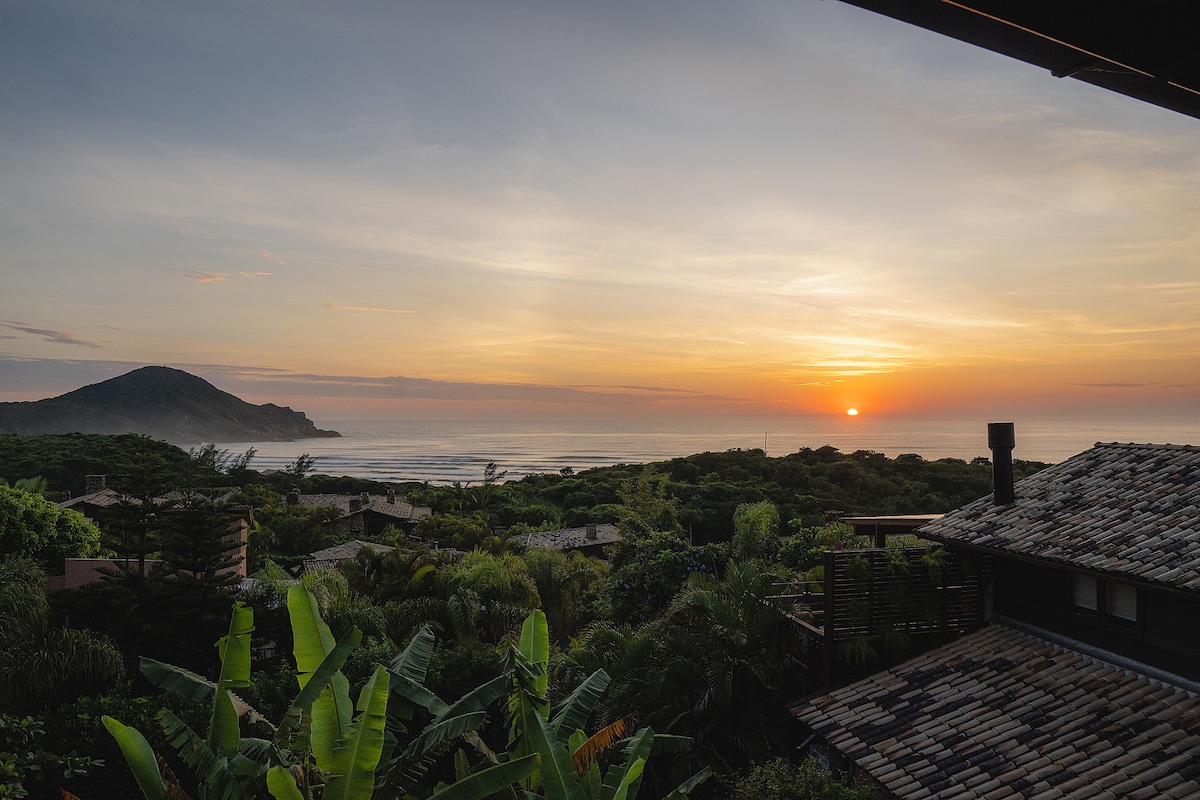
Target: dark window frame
<point>1099,615</point>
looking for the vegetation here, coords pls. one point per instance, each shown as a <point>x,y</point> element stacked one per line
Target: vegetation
<point>32,526</point>
<point>564,676</point>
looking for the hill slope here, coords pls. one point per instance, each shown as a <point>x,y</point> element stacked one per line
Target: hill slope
<point>161,402</point>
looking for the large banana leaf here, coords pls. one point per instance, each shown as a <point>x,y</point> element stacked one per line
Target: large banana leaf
<point>590,779</point>
<point>282,785</point>
<point>631,781</point>
<point>490,781</point>
<point>234,649</point>
<point>586,751</point>
<point>332,711</point>
<point>213,772</point>
<point>580,704</point>
<point>355,758</point>
<point>555,768</point>
<point>413,661</point>
<point>414,692</point>
<point>684,789</point>
<point>317,682</point>
<point>479,698</point>
<point>624,780</point>
<point>534,645</point>
<point>443,730</point>
<point>140,757</point>
<point>191,686</point>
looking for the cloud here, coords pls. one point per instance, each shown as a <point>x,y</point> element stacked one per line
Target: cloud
<point>336,307</point>
<point>267,255</point>
<point>1115,385</point>
<point>58,337</point>
<point>202,276</point>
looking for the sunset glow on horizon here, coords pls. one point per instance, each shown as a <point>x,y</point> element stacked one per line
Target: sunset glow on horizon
<point>471,209</point>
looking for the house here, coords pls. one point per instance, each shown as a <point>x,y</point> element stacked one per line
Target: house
<point>363,514</point>
<point>587,539</point>
<point>338,553</point>
<point>95,502</point>
<point>1081,677</point>
<point>98,502</point>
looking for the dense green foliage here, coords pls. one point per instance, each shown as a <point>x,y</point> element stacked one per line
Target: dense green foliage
<point>674,619</point>
<point>781,780</point>
<point>41,663</point>
<point>66,460</point>
<point>31,525</point>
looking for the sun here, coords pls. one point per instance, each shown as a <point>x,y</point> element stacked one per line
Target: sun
<point>852,412</point>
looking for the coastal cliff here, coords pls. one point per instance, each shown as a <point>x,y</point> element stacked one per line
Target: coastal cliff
<point>163,403</point>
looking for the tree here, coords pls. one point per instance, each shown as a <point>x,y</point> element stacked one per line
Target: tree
<point>302,467</point>
<point>134,527</point>
<point>40,663</point>
<point>30,525</point>
<point>645,506</point>
<point>755,532</point>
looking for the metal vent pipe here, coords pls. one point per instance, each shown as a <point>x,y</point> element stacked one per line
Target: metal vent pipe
<point>1002,438</point>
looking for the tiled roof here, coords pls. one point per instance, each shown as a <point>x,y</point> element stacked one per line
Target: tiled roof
<point>347,551</point>
<point>1129,509</point>
<point>102,499</point>
<point>377,503</point>
<point>1001,714</point>
<point>568,538</point>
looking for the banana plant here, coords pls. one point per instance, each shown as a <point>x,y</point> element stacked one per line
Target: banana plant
<point>318,730</point>
<point>548,754</point>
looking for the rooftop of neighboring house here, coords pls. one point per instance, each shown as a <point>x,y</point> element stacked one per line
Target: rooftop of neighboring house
<point>346,551</point>
<point>570,538</point>
<point>1003,713</point>
<point>1131,510</point>
<point>101,499</point>
<point>388,505</point>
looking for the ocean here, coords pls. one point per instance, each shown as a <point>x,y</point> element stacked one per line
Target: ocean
<point>442,451</point>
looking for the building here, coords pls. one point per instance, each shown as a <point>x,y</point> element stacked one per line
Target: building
<point>1081,679</point>
<point>363,514</point>
<point>98,502</point>
<point>587,539</point>
<point>330,557</point>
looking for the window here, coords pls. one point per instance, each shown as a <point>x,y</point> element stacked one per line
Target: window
<point>1085,592</point>
<point>1104,599</point>
<point>1120,601</point>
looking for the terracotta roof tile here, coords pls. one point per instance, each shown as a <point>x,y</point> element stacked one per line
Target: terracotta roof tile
<point>377,503</point>
<point>1131,510</point>
<point>1043,721</point>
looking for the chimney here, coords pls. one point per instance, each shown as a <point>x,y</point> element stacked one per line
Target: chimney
<point>591,531</point>
<point>94,483</point>
<point>1001,440</point>
<point>355,504</point>
<point>391,496</point>
<point>293,497</point>
<point>366,499</point>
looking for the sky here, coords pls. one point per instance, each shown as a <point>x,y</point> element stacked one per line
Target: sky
<point>367,209</point>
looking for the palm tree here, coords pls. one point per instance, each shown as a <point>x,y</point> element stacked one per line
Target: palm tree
<point>725,652</point>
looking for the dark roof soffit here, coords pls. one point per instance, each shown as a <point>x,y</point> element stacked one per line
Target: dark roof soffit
<point>1146,49</point>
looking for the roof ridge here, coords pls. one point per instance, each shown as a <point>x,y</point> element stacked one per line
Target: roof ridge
<point>1150,446</point>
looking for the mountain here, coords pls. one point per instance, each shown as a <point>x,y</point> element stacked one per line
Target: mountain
<point>163,403</point>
